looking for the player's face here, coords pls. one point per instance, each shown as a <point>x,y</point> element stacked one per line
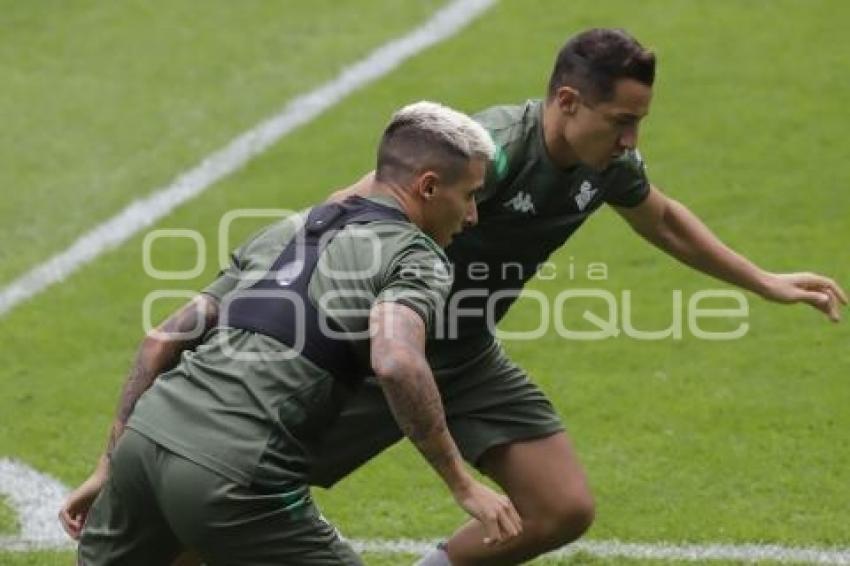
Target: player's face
<point>598,132</point>
<point>452,207</point>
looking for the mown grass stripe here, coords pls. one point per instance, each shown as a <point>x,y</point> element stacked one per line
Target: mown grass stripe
<point>142,213</point>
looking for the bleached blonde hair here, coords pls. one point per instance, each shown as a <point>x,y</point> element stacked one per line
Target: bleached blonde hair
<point>457,129</point>
<point>429,134</point>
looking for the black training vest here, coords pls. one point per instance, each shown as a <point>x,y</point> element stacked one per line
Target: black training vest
<point>269,306</point>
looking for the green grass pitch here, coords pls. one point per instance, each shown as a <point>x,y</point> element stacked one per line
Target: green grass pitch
<point>684,440</point>
<point>8,521</point>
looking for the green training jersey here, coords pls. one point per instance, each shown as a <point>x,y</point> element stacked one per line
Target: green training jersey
<point>247,406</point>
<point>527,209</point>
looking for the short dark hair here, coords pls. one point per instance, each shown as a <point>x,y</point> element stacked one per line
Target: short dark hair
<point>592,62</point>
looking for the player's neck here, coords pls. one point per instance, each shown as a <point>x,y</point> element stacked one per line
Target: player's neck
<point>401,195</point>
<point>557,148</point>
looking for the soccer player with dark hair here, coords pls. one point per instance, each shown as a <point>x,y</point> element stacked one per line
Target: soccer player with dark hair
<point>559,160</point>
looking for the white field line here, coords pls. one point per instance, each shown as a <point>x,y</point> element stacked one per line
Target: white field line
<point>142,213</point>
<point>36,498</point>
<point>650,551</point>
<point>747,553</point>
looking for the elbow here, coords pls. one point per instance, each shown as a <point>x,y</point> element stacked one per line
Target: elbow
<point>663,232</point>
<point>153,347</point>
<point>394,366</point>
<point>664,239</point>
<point>388,367</point>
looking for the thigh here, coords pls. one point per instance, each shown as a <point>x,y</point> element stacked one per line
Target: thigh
<point>125,526</point>
<point>229,524</point>
<point>547,485</point>
<point>542,476</point>
<point>490,401</point>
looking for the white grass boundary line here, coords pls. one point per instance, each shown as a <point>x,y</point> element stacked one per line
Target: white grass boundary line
<point>650,551</point>
<point>36,497</point>
<point>701,553</point>
<point>602,549</point>
<point>142,213</point>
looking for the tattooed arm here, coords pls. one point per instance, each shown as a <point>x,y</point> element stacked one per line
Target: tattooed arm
<point>158,352</point>
<point>398,359</point>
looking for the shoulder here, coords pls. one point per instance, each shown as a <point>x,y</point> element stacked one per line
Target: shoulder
<point>404,238</point>
<point>264,244</point>
<point>513,129</point>
<point>506,121</point>
<point>631,160</point>
<point>415,272</point>
<point>276,232</point>
<point>387,242</point>
<point>626,169</point>
<point>625,180</point>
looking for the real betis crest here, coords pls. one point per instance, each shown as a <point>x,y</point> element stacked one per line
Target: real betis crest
<point>585,195</point>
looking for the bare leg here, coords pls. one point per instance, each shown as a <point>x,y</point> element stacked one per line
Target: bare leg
<point>547,484</point>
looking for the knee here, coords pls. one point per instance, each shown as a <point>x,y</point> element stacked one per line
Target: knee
<point>564,520</point>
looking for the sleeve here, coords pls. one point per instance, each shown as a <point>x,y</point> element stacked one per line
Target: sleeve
<point>418,278</point>
<point>625,182</point>
<point>227,278</point>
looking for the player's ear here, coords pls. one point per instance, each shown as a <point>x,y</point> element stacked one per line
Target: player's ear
<point>427,185</point>
<point>567,98</point>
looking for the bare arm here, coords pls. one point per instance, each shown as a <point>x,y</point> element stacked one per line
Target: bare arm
<point>673,228</point>
<point>159,351</point>
<point>398,359</point>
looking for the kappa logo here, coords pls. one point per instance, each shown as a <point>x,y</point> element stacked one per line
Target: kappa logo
<point>521,203</point>
<point>585,195</point>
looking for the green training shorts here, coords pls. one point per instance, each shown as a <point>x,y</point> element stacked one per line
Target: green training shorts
<point>488,399</point>
<point>155,503</point>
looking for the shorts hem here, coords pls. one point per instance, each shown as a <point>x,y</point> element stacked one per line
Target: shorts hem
<point>475,457</point>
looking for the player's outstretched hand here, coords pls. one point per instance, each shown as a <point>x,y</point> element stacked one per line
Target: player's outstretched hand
<point>495,511</point>
<point>74,511</point>
<point>818,291</point>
